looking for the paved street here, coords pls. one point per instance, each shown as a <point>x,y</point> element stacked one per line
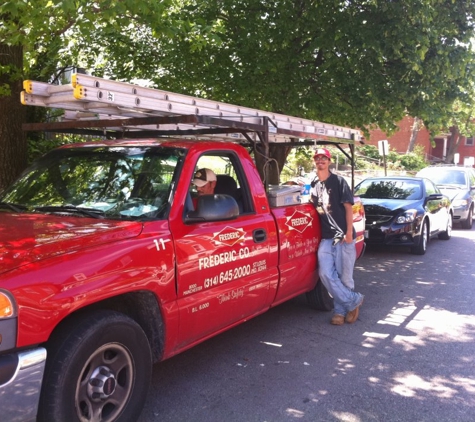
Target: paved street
<point>409,357</point>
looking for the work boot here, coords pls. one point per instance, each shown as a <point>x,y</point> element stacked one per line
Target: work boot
<point>352,316</point>
<point>337,319</point>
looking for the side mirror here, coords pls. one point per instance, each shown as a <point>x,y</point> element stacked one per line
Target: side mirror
<point>218,207</point>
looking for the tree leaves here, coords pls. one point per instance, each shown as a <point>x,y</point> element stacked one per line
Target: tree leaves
<point>359,63</point>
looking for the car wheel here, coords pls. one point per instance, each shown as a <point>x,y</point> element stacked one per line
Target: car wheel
<point>467,224</point>
<point>447,234</point>
<point>98,369</point>
<point>421,247</point>
<point>319,298</point>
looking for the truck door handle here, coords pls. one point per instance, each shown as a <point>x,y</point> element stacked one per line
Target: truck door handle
<point>259,235</point>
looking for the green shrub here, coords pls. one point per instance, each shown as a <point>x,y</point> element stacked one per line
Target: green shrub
<point>413,161</point>
<point>369,151</point>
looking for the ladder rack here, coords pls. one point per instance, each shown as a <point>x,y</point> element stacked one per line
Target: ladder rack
<point>97,106</point>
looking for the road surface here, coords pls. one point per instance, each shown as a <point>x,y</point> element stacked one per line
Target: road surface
<point>409,357</point>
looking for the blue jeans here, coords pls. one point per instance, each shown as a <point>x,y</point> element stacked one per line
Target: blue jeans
<point>335,267</point>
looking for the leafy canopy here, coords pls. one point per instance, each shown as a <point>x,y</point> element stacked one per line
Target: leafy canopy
<point>358,63</point>
<point>55,34</point>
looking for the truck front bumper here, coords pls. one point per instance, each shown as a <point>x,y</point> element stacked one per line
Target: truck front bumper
<point>21,375</point>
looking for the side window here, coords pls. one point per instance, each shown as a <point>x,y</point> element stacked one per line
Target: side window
<point>469,141</point>
<point>221,174</point>
<point>472,178</point>
<point>430,188</point>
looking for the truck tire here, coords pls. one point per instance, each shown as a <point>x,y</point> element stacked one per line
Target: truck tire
<point>319,298</point>
<point>98,369</point>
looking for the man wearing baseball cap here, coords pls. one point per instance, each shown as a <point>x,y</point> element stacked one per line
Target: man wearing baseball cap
<point>205,181</point>
<point>333,200</point>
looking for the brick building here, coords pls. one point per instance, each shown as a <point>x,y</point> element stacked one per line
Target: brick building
<point>399,142</point>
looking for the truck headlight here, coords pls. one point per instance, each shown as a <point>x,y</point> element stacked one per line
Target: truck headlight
<point>8,321</point>
<point>7,306</point>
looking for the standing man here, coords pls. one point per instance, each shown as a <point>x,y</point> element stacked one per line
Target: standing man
<point>333,200</point>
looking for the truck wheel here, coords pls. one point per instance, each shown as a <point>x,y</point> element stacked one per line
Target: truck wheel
<point>319,298</point>
<point>98,369</point>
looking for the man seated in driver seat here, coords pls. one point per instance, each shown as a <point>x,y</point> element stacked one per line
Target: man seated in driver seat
<point>205,182</point>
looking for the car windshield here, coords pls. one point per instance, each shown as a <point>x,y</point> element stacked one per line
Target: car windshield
<point>100,182</point>
<point>389,189</point>
<point>445,176</point>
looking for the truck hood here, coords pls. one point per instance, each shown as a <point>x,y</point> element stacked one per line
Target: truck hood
<point>26,238</point>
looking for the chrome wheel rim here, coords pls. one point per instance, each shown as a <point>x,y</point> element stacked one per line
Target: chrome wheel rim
<point>105,384</point>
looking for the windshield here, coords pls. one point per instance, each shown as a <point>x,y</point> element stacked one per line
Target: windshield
<point>445,176</point>
<point>104,182</point>
<point>389,189</point>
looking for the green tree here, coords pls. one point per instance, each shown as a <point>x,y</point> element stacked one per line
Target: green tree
<point>40,39</point>
<point>360,64</point>
<point>459,122</point>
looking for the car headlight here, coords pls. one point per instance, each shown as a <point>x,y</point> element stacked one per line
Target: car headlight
<point>408,217</point>
<point>460,203</point>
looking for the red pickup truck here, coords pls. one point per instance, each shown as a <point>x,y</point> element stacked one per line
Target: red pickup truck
<point>106,268</point>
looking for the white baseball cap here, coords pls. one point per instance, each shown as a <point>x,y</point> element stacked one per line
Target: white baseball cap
<point>203,176</point>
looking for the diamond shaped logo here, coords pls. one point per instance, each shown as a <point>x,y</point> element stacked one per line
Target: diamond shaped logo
<point>229,236</point>
<point>299,221</point>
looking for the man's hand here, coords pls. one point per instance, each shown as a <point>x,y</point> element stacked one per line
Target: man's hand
<point>348,237</point>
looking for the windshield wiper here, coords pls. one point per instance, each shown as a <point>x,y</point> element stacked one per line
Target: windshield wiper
<point>13,207</point>
<point>89,212</point>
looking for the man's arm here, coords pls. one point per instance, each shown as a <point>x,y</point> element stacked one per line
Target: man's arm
<point>349,222</point>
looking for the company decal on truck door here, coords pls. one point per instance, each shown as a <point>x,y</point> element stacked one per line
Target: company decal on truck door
<point>229,275</point>
<point>299,221</point>
<point>232,295</point>
<point>229,236</point>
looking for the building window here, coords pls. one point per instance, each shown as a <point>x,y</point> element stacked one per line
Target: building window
<point>469,141</point>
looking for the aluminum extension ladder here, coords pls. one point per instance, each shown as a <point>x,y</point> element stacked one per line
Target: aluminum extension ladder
<point>91,98</point>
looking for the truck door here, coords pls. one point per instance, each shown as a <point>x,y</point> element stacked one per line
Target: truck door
<point>224,268</point>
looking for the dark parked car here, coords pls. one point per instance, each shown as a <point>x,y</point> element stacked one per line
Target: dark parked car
<point>458,183</point>
<point>404,211</point>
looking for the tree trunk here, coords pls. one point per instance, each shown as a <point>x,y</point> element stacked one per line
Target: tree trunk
<point>269,169</point>
<point>415,130</point>
<point>454,142</point>
<point>13,145</point>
